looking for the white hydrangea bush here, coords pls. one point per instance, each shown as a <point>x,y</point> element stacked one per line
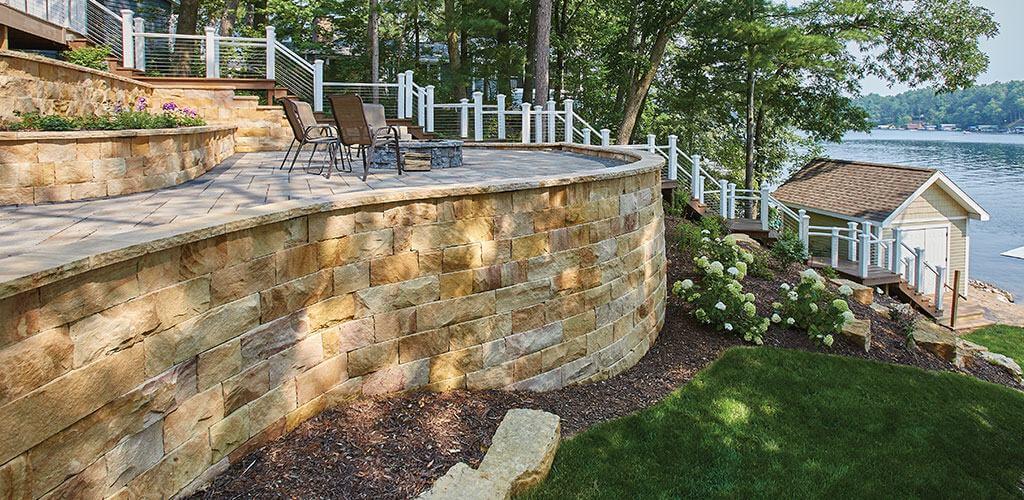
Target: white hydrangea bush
<point>810,306</point>
<point>717,298</point>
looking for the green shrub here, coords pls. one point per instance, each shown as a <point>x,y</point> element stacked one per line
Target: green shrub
<point>90,57</point>
<point>691,235</point>
<point>46,123</point>
<point>811,307</point>
<point>717,298</point>
<point>137,117</point>
<point>760,267</point>
<point>829,272</point>
<point>788,249</point>
<point>905,319</point>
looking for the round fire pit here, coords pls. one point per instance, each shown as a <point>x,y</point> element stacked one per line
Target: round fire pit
<point>443,153</point>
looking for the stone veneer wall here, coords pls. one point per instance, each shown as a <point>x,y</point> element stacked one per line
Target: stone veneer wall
<point>42,167</point>
<point>154,372</point>
<point>30,83</point>
<point>259,128</point>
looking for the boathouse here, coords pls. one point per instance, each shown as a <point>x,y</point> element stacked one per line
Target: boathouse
<point>911,211</point>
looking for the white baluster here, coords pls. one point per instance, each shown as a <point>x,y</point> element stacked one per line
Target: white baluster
<point>552,136</point>
<point>851,248</point>
<point>652,143</point>
<point>803,227</point>
<point>700,189</point>
<point>464,118</point>
<point>586,136</point>
<point>765,205</point>
<point>695,173</point>
<point>606,137</point>
<point>919,269</point>
<point>940,287</point>
<point>538,124</point>
<point>478,116</point>
<point>127,39</point>
<point>212,53</point>
<point>865,253</point>
<point>526,123</point>
<point>421,108</point>
<point>897,249</point>
<point>401,96</point>
<point>410,90</point>
<point>570,115</point>
<point>271,53</point>
<point>673,157</point>
<point>723,198</point>
<point>430,108</point>
<point>732,200</point>
<point>140,44</point>
<point>318,85</point>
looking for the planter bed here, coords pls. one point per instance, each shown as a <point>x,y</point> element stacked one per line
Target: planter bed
<point>396,447</point>
<point>46,167</point>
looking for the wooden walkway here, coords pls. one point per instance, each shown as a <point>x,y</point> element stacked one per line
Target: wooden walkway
<point>877,276</point>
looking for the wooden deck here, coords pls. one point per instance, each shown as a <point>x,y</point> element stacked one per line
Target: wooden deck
<point>877,276</point>
<point>752,228</point>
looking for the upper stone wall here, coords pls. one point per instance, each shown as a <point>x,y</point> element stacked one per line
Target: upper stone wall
<point>144,365</point>
<point>30,83</point>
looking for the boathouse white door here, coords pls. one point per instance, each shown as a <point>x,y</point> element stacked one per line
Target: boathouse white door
<point>935,242</point>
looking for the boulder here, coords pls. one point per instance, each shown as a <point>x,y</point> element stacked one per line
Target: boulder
<point>863,294</point>
<point>519,458</point>
<point>743,238</point>
<point>858,333</point>
<point>936,339</point>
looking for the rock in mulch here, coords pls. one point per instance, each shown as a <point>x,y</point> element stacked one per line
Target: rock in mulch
<point>863,294</point>
<point>519,458</point>
<point>858,333</point>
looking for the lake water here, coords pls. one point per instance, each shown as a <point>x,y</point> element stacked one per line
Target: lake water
<point>989,167</point>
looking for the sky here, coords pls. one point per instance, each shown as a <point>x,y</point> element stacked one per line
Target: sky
<point>1004,51</point>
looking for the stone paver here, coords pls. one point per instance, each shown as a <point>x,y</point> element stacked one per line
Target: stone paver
<point>252,179</point>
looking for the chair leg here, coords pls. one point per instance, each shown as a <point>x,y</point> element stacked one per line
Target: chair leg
<point>309,162</point>
<point>286,153</point>
<point>399,163</point>
<point>296,157</point>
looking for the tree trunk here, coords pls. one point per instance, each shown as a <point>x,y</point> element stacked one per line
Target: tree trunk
<point>454,55</point>
<point>188,17</point>
<point>561,29</point>
<point>227,22</point>
<point>541,50</point>
<point>639,88</point>
<point>416,34</point>
<point>467,63</point>
<point>374,44</point>
<point>748,175</point>
<point>504,62</point>
<point>259,14</point>
<point>531,35</point>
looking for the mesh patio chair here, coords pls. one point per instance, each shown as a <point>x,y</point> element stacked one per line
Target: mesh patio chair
<point>366,132</point>
<point>306,130</point>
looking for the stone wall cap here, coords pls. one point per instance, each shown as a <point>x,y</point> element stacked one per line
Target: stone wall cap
<point>47,265</point>
<point>74,67</point>
<point>111,134</point>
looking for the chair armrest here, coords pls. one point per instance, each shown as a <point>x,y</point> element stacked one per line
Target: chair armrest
<point>320,126</point>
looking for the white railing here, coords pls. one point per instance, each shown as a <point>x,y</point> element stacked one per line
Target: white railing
<point>65,13</point>
<point>103,27</point>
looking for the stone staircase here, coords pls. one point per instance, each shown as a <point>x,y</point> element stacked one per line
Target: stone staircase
<point>968,316</point>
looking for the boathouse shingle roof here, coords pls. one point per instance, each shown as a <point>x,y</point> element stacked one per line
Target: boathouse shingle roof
<point>871,191</point>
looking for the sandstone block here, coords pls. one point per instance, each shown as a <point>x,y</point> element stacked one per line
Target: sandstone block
<point>480,331</point>
<point>219,363</point>
<point>456,284</point>
<point>229,433</point>
<point>16,479</point>
<point>331,311</point>
<point>525,247</point>
<point>522,295</point>
<point>423,345</point>
<point>272,406</point>
<point>446,234</point>
<point>33,362</point>
<point>393,268</point>
<point>523,448</point>
<point>294,295</point>
<point>240,389</point>
<point>351,278</point>
<point>372,358</point>
<point>393,296</point>
<point>85,294</point>
<point>411,214</point>
<point>457,310</point>
<point>521,344</point>
<point>320,379</point>
<point>176,470</point>
<point>348,336</point>
<point>495,377</point>
<point>192,417</point>
<point>304,355</point>
<point>296,262</point>
<point>462,482</point>
<point>132,456</point>
<point>858,333</point>
<point>358,246</point>
<point>397,378</point>
<point>201,333</point>
<point>461,257</point>
<point>455,364</point>
<point>394,324</point>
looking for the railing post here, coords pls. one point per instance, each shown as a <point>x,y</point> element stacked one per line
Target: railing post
<point>897,249</point>
<point>851,248</point>
<point>501,116</point>
<point>140,44</point>
<point>586,136</point>
<point>865,252</point>
<point>538,124</point>
<point>732,200</point>
<point>865,228</point>
<point>271,53</point>
<point>919,269</point>
<point>570,127</point>
<point>765,197</point>
<point>652,143</point>
<point>878,244</point>
<point>700,189</point>
<point>410,89</point>
<point>526,123</point>
<point>127,39</point>
<point>430,108</point>
<point>478,116</point>
<point>421,108</point>
<point>211,52</point>
<point>695,173</point>
<point>606,137</point>
<point>401,96</point>
<point>834,251</point>
<point>464,118</point>
<point>940,287</point>
<point>552,135</point>
<point>673,158</point>
<point>723,198</point>
<point>318,85</point>
<point>804,229</point>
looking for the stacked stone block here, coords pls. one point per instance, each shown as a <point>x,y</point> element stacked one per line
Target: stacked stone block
<point>146,377</point>
<point>44,167</point>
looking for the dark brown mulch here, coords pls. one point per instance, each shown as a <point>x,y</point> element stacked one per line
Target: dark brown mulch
<point>395,447</point>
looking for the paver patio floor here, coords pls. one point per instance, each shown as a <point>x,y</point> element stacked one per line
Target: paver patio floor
<point>254,179</point>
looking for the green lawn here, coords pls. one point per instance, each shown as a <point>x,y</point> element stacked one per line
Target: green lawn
<point>1006,340</point>
<point>764,422</point>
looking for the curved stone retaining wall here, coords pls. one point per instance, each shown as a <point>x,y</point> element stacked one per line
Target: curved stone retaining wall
<point>43,167</point>
<point>144,364</point>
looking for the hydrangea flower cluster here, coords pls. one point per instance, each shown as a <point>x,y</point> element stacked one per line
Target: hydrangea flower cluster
<point>718,298</point>
<point>811,307</point>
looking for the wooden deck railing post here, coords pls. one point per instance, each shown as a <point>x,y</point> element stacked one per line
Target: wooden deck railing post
<point>897,249</point>
<point>478,116</point>
<point>501,116</point>
<point>865,252</point>
<point>851,244</point>
<point>940,287</point>
<point>919,269</point>
<point>526,123</point>
<point>271,57</point>
<point>834,252</point>
<point>765,202</point>
<point>570,115</point>
<point>673,158</point>
<point>552,135</point>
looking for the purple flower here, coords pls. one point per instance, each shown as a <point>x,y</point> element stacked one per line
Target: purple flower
<point>170,106</point>
<point>141,104</point>
<point>118,108</point>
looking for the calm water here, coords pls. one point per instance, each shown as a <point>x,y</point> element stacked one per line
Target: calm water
<point>989,167</point>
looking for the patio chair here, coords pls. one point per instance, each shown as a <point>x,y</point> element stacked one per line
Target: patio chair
<point>365,128</point>
<point>306,130</point>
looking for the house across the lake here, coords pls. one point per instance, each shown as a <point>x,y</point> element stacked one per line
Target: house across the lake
<point>931,211</point>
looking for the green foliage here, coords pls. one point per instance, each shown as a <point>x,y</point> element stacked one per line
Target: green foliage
<point>760,266</point>
<point>691,235</point>
<point>780,423</point>
<point>1003,339</point>
<point>829,272</point>
<point>811,307</point>
<point>718,298</point>
<point>36,121</point>
<point>90,57</point>
<point>990,104</point>
<point>131,119</point>
<point>788,249</point>
<point>905,319</point>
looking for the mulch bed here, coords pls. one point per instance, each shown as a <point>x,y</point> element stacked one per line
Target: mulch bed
<point>396,447</point>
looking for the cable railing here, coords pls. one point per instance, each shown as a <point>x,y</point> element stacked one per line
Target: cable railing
<point>103,27</point>
<point>171,55</point>
<point>66,13</point>
<point>242,57</point>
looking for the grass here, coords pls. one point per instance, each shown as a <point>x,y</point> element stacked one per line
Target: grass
<point>763,422</point>
<point>1003,339</point>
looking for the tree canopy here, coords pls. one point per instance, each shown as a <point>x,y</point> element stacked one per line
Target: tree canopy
<point>993,104</point>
